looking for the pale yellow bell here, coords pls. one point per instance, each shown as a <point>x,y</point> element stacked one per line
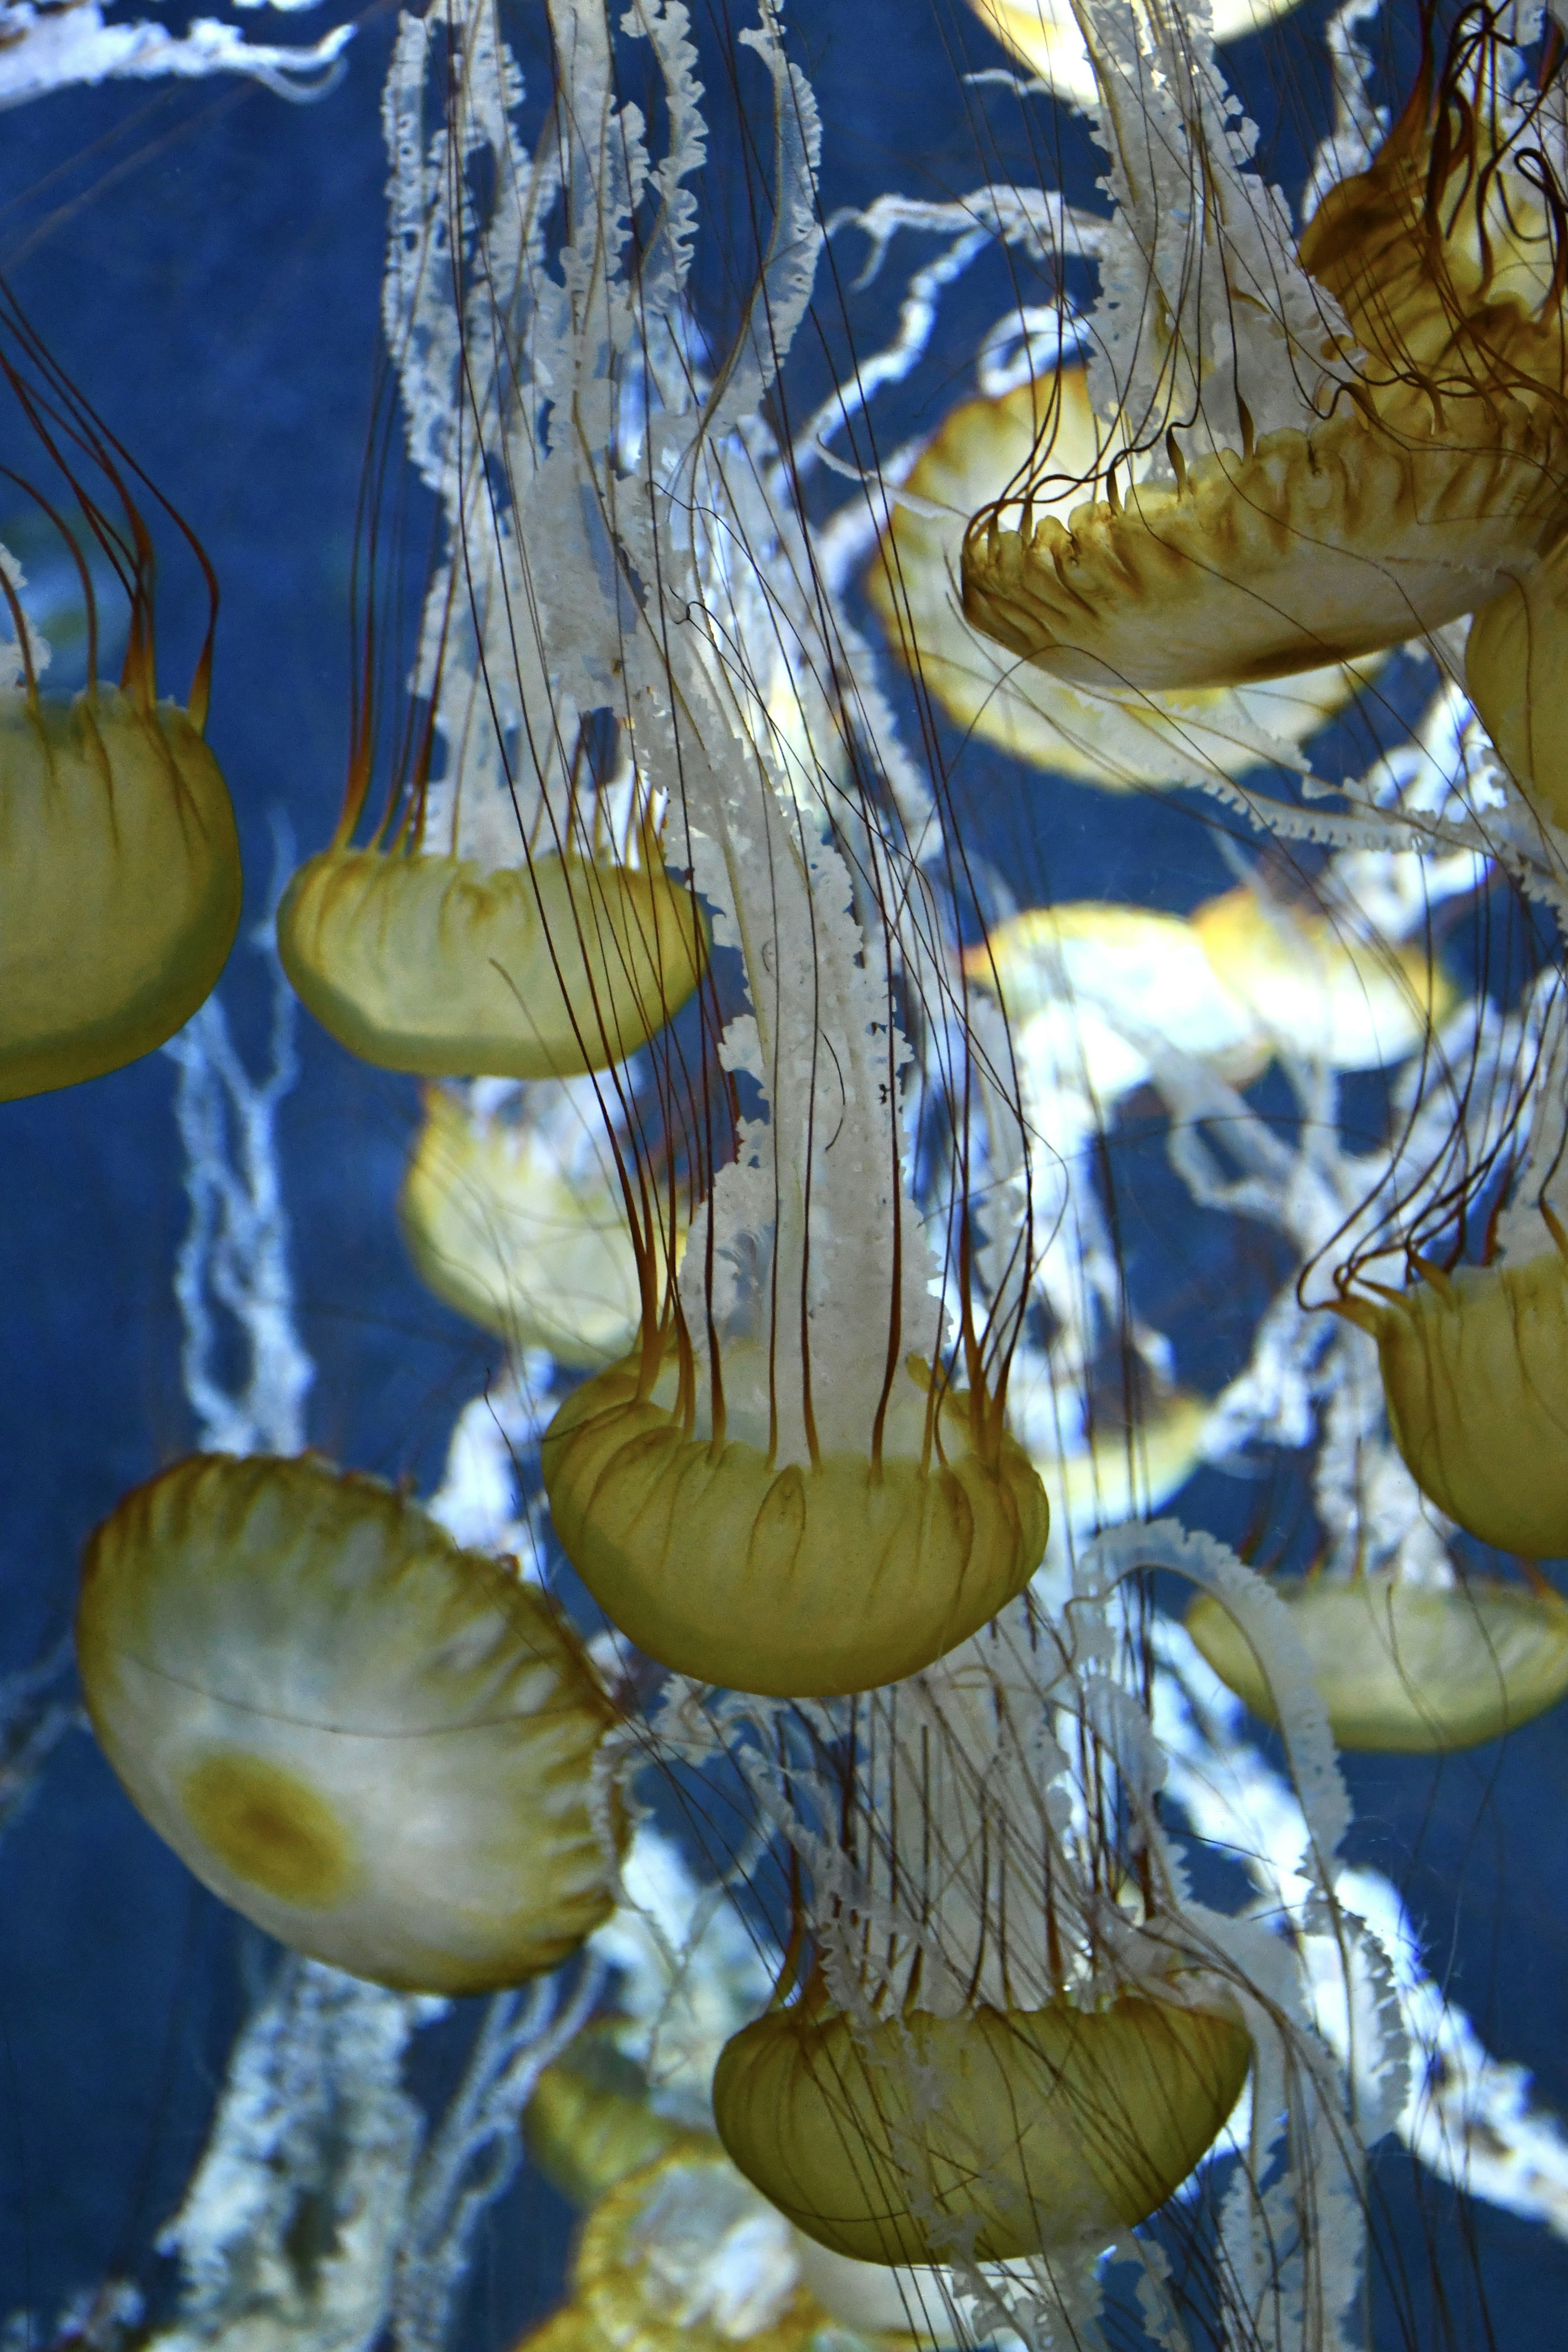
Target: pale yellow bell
<point>538,1253</point>
<point>120,882</point>
<point>590,2122</point>
<point>1516,667</point>
<point>913,584</point>
<point>801,1581</point>
<point>374,1744</point>
<point>429,964</point>
<point>1406,1668</point>
<point>1312,988</point>
<point>1475,1373</point>
<point>1037,2125</point>
<point>1043,34</point>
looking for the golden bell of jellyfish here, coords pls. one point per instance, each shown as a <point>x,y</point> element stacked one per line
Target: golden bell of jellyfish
<point>372,1743</point>
<point>1043,34</point>
<point>683,2256</point>
<point>1411,504</point>
<point>1475,1373</point>
<point>795,1581</point>
<point>589,2123</point>
<point>1037,2124</point>
<point>1516,667</point>
<point>431,965</point>
<point>1315,989</point>
<point>912,584</point>
<point>1406,1668</point>
<point>542,1257</point>
<point>120,882</point>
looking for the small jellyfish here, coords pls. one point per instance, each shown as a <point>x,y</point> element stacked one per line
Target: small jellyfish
<point>1317,990</point>
<point>1475,1374</point>
<point>376,1745</point>
<point>1045,36</point>
<point>120,872</point>
<point>591,2122</point>
<point>1409,486</point>
<point>517,1219</point>
<point>805,1580</point>
<point>1516,660</point>
<point>1406,1668</point>
<point>1096,737</point>
<point>1037,2124</point>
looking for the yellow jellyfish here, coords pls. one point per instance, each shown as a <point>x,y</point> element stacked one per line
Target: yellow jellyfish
<point>543,969</point>
<point>590,2122</point>
<point>683,2256</point>
<point>376,1746</point>
<point>1516,662</point>
<point>1037,2124</point>
<point>1475,1373</point>
<point>1314,989</point>
<point>800,1580</point>
<point>1406,1668</point>
<point>517,1219</point>
<point>120,873</point>
<point>1044,36</point>
<point>1145,739</point>
<point>1426,484</point>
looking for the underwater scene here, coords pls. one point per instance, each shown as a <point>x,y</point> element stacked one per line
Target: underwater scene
<point>784,1086</point>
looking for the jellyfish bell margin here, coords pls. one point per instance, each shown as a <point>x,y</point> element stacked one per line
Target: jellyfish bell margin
<point>119,870</point>
<point>374,1744</point>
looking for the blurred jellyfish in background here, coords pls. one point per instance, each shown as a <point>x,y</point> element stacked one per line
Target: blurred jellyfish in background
<point>925,939</point>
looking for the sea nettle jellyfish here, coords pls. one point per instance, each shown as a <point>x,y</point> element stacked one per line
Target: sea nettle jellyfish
<point>373,1743</point>
<point>798,1477</point>
<point>119,878</point>
<point>1319,452</point>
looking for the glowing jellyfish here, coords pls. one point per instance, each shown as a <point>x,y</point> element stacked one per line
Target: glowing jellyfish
<point>1035,2125</point>
<point>801,1581</point>
<point>120,873</point>
<point>517,1219</point>
<point>1410,492</point>
<point>1315,989</point>
<point>430,964</point>
<point>1475,1373</point>
<point>1143,739</point>
<point>374,1744</point>
<point>1045,36</point>
<point>1403,1667</point>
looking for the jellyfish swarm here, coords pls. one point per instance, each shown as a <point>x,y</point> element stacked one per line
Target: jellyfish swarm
<point>374,1744</point>
<point>119,875</point>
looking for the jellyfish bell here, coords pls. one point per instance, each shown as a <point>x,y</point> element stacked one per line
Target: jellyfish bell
<point>516,1218</point>
<point>430,964</point>
<point>798,1578</point>
<point>376,1746</point>
<point>1475,1375</point>
<point>1035,2125</point>
<point>1317,990</point>
<point>1044,35</point>
<point>1096,738</point>
<point>1516,658</point>
<point>1406,1668</point>
<point>120,872</point>
<point>1389,495</point>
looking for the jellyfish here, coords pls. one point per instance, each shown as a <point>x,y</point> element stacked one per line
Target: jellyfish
<point>1407,1668</point>
<point>376,1746</point>
<point>119,875</point>
<point>987,2041</point>
<point>1143,738</point>
<point>514,1215</point>
<point>1047,36</point>
<point>1284,506</point>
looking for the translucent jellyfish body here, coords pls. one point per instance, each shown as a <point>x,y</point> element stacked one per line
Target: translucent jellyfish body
<point>1407,500</point>
<point>1044,35</point>
<point>1407,1668</point>
<point>432,965</point>
<point>1145,739</point>
<point>526,1236</point>
<point>1035,2125</point>
<point>683,2256</point>
<point>590,2121</point>
<point>120,882</point>
<point>1317,990</point>
<point>1516,667</point>
<point>1475,1373</point>
<point>372,1743</point>
<point>796,1580</point>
